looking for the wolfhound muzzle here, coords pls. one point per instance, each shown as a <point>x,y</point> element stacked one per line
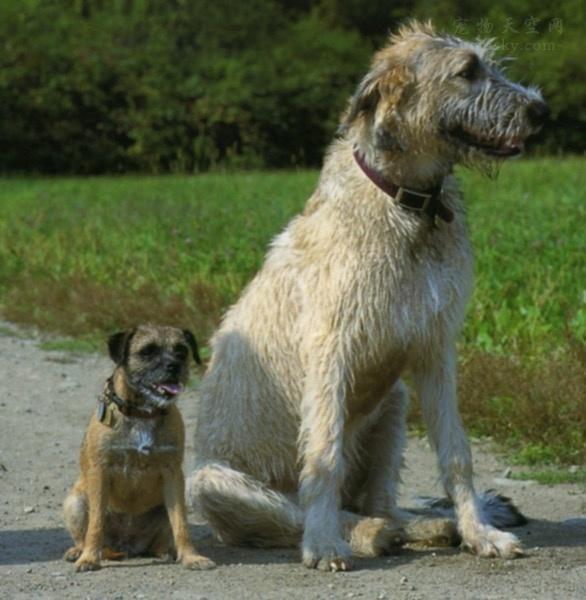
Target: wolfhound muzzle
<point>496,116</point>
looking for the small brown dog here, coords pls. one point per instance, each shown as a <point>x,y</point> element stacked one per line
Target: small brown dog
<point>129,499</point>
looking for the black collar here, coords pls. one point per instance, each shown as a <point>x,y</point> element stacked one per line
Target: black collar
<point>128,410</point>
<point>428,201</point>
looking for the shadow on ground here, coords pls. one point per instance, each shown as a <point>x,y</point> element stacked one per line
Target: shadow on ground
<point>22,546</point>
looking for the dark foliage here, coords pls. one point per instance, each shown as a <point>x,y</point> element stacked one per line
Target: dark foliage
<point>93,86</point>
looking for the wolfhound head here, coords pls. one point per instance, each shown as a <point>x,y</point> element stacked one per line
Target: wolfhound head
<point>442,100</point>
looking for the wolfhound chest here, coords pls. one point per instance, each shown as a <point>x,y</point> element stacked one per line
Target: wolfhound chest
<point>402,319</point>
<point>413,300</point>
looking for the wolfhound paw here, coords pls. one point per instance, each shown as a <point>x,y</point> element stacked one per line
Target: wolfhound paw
<point>490,542</point>
<point>327,557</point>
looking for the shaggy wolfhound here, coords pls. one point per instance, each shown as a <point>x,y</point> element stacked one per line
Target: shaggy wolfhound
<point>301,427</point>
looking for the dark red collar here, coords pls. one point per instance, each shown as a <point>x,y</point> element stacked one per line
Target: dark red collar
<point>128,410</point>
<point>428,201</point>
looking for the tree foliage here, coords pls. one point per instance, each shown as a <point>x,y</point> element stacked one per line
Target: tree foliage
<point>93,86</point>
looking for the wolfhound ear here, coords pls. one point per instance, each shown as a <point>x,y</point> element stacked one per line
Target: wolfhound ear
<point>364,99</point>
<point>119,344</point>
<point>387,82</point>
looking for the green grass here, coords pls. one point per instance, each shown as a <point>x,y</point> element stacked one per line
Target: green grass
<point>552,476</point>
<point>528,235</point>
<point>69,345</point>
<point>85,257</point>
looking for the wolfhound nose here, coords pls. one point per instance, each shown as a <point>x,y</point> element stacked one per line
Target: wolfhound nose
<point>538,112</point>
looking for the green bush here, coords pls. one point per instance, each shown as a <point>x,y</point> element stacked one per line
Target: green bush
<point>94,86</point>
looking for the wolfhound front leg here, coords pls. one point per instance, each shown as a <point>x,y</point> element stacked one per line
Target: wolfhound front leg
<point>385,446</point>
<point>322,474</point>
<point>436,387</point>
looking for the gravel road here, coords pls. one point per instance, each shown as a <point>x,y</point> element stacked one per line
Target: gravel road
<point>46,401</point>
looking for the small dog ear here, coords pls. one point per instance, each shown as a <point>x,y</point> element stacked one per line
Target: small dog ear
<point>118,345</point>
<point>190,338</point>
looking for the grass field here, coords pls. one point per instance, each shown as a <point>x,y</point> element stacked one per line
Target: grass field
<point>83,257</point>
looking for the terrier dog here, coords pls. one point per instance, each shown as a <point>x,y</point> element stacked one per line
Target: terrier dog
<point>302,413</point>
<point>129,498</point>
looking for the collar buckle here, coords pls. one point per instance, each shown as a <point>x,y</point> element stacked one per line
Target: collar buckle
<point>428,203</point>
<point>400,199</point>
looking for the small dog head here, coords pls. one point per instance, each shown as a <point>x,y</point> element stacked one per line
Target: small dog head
<point>441,99</point>
<point>154,361</point>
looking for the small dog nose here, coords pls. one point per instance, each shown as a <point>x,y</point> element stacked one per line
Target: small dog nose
<point>173,368</point>
<point>538,112</point>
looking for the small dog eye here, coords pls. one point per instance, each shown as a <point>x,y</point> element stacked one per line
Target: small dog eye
<point>180,350</point>
<point>149,350</point>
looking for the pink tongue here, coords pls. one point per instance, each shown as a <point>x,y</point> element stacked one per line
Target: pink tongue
<point>171,388</point>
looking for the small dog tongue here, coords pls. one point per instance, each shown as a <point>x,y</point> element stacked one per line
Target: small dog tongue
<point>171,388</point>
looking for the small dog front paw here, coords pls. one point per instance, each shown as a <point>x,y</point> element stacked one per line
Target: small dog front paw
<point>197,562</point>
<point>328,557</point>
<point>489,542</point>
<point>87,564</point>
<point>72,554</point>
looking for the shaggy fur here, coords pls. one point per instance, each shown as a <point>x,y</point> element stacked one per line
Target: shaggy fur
<point>301,427</point>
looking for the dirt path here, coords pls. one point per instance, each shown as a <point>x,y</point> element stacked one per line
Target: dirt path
<point>46,400</point>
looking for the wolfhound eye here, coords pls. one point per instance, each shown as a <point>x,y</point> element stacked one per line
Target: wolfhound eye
<point>470,71</point>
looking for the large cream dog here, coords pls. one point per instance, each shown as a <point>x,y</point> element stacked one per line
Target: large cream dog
<point>302,420</point>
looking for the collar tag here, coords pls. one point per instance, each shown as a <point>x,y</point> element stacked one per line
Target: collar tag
<point>105,414</point>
